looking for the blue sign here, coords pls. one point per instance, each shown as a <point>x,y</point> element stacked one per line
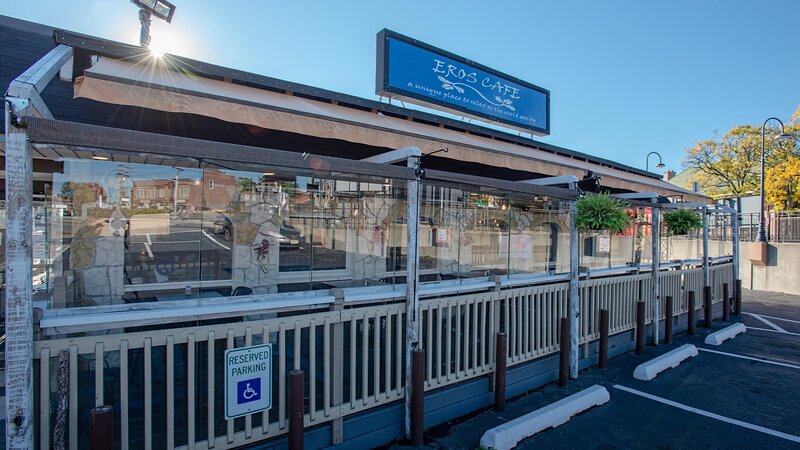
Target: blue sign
<point>418,72</point>
<point>248,390</point>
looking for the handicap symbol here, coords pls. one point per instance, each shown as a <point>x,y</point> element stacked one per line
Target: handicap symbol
<point>248,390</point>
<point>249,393</point>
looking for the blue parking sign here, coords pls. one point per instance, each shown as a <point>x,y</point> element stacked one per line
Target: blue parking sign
<point>248,380</point>
<point>248,390</point>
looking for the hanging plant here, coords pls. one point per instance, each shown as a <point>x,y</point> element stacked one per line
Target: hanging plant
<point>598,212</point>
<point>681,221</point>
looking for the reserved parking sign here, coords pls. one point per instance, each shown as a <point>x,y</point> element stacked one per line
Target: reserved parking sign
<point>248,380</point>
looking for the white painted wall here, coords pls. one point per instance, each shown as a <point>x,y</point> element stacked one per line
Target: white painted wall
<point>782,274</point>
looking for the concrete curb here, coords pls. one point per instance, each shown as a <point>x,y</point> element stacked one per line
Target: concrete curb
<point>508,435</point>
<point>718,337</point>
<point>649,370</point>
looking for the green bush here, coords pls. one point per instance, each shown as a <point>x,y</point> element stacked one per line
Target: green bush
<point>681,221</point>
<point>598,212</point>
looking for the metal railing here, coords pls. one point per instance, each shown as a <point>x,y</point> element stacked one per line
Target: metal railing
<point>781,226</point>
<point>166,385</point>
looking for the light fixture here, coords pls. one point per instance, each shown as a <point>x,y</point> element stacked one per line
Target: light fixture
<point>660,164</point>
<point>269,174</point>
<point>784,137</point>
<point>162,9</point>
<point>100,158</point>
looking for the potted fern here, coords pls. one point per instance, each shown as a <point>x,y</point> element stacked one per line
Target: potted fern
<point>599,212</point>
<point>681,221</point>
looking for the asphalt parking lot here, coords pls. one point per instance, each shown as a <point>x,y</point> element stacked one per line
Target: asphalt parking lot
<point>719,399</point>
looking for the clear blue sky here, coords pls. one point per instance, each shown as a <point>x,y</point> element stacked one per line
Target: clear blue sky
<point>626,77</point>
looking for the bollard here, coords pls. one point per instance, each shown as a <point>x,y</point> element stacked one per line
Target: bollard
<point>296,409</point>
<point>639,327</point>
<point>501,353</point>
<point>417,396</point>
<point>668,320</point>
<point>563,365</point>
<point>101,428</point>
<point>737,303</point>
<point>726,303</point>
<point>603,363</point>
<point>690,314</point>
<point>707,306</point>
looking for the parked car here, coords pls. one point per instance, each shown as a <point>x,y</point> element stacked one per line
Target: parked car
<point>288,236</point>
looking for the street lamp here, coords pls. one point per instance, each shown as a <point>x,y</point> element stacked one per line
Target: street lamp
<point>782,137</point>
<point>660,164</point>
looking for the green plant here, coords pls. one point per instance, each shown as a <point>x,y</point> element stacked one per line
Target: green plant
<point>681,221</point>
<point>598,212</point>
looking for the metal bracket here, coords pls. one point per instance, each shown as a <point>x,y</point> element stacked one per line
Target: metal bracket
<point>15,107</point>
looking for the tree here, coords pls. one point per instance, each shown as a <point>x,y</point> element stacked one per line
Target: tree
<point>730,165</point>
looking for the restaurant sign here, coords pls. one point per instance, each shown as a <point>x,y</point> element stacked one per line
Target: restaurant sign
<point>417,72</point>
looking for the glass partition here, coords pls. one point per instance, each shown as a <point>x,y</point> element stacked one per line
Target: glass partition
<point>603,249</point>
<point>467,234</point>
<point>136,230</point>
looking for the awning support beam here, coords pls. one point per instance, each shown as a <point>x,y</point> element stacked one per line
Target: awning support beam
<point>394,156</point>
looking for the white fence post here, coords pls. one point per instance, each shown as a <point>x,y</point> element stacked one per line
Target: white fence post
<point>655,231</point>
<point>19,276</point>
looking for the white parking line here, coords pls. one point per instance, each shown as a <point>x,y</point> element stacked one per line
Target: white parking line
<point>211,238</point>
<point>773,317</point>
<point>777,328</point>
<point>149,250</point>
<point>773,331</point>
<point>779,434</point>
<point>793,366</point>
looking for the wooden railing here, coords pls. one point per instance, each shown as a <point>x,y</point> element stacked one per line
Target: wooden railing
<point>166,385</point>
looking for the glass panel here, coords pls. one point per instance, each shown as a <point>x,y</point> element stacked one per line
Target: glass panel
<point>539,236</point>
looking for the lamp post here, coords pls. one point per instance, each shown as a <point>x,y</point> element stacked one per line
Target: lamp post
<point>782,137</point>
<point>660,164</point>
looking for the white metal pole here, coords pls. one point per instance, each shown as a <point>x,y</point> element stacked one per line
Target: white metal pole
<point>656,244</point>
<point>412,294</point>
<point>19,287</point>
<point>706,275</point>
<point>735,237</point>
<point>574,297</point>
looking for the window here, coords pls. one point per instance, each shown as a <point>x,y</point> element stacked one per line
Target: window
<point>140,193</point>
<point>183,192</point>
<point>151,193</point>
<point>161,193</point>
<point>211,185</point>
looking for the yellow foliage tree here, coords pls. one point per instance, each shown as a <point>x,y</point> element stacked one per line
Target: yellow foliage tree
<point>730,165</point>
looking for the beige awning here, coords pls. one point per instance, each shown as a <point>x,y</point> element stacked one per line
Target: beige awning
<point>155,87</point>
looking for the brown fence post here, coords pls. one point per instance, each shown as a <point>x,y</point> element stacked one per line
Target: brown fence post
<point>563,366</point>
<point>417,396</point>
<point>690,314</point>
<point>101,428</point>
<point>603,363</point>
<point>726,303</point>
<point>501,353</point>
<point>707,306</point>
<point>639,327</point>
<point>296,409</point>
<point>668,320</point>
<point>737,304</point>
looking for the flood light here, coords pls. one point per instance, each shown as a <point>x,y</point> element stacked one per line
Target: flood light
<point>162,9</point>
